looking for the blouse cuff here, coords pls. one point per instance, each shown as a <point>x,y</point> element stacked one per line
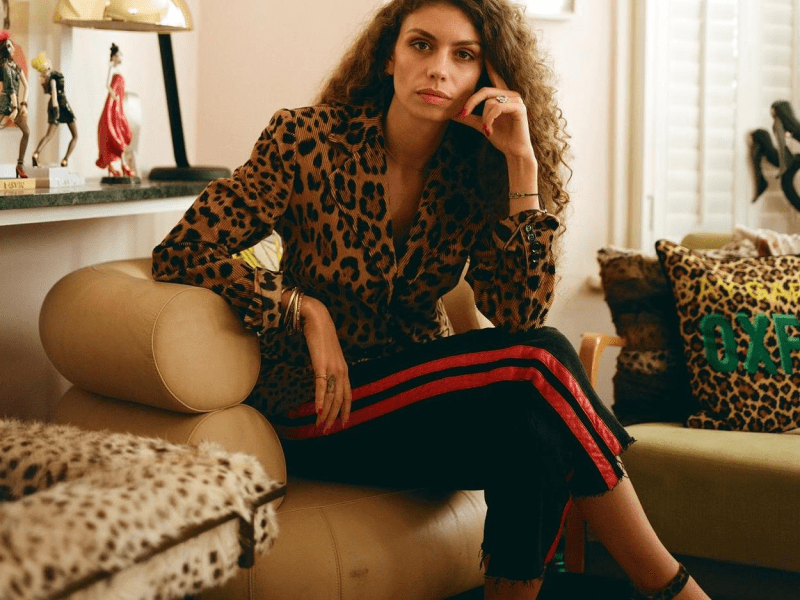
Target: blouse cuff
<point>524,225</point>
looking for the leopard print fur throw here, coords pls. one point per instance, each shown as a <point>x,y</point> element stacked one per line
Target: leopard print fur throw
<point>104,515</point>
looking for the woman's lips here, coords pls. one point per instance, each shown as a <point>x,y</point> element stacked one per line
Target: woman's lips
<point>433,96</point>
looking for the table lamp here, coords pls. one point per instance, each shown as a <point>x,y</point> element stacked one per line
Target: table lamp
<point>161,17</point>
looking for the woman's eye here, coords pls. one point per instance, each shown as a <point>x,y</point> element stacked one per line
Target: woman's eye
<point>420,45</point>
<point>465,55</point>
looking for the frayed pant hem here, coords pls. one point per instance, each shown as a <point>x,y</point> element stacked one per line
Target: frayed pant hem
<point>497,580</point>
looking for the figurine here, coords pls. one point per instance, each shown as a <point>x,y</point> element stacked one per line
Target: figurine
<point>114,132</point>
<point>14,96</point>
<point>59,110</point>
<point>7,15</point>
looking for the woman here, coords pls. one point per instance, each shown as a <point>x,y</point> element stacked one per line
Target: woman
<point>14,96</point>
<point>59,110</point>
<point>113,131</point>
<point>434,144</point>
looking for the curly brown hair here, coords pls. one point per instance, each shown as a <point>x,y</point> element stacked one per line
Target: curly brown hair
<point>509,45</point>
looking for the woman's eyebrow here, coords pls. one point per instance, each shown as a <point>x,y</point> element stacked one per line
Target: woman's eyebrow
<point>429,35</point>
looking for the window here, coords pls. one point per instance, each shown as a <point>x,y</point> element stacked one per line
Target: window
<point>705,73</point>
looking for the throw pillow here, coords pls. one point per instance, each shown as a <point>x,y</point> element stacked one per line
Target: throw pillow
<point>741,337</point>
<point>770,243</point>
<point>650,381</point>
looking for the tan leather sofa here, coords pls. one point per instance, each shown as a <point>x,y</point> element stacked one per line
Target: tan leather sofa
<point>173,361</point>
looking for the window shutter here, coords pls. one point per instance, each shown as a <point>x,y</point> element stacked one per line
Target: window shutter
<point>715,68</point>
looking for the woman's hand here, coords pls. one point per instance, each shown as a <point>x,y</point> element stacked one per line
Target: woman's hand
<point>504,120</point>
<point>332,394</point>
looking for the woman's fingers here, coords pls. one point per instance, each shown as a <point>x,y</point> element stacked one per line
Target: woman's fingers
<point>489,95</point>
<point>494,76</point>
<point>348,402</point>
<point>333,398</point>
<point>320,385</point>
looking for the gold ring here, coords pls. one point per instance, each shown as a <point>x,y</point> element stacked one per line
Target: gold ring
<point>502,99</point>
<point>331,384</point>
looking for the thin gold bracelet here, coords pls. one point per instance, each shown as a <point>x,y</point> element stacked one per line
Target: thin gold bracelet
<point>515,195</point>
<point>296,328</point>
<point>287,314</point>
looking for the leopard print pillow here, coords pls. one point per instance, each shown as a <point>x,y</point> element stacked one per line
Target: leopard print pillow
<point>650,380</point>
<point>741,337</point>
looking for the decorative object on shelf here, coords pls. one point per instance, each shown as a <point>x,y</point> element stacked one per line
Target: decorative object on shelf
<point>163,17</point>
<point>761,147</point>
<point>6,15</point>
<point>113,130</point>
<point>14,95</point>
<point>59,111</point>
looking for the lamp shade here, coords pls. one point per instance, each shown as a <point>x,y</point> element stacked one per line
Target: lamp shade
<point>160,16</point>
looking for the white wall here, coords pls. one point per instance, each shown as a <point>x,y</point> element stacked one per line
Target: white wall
<point>245,60</point>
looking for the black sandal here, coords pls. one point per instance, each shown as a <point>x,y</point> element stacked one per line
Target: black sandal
<point>672,589</point>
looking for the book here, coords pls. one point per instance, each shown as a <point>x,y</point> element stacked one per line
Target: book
<point>18,184</point>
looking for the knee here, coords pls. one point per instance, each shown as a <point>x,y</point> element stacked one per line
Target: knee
<point>552,341</point>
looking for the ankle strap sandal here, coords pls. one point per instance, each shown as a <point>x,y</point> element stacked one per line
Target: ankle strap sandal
<point>672,589</point>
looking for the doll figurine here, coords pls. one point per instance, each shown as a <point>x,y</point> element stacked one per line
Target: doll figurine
<point>58,111</point>
<point>14,96</point>
<point>114,132</point>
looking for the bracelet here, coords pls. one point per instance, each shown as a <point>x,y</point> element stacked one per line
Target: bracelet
<point>298,326</point>
<point>514,195</point>
<point>291,317</point>
<point>287,321</point>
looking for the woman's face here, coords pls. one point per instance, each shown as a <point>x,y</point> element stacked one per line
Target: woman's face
<point>117,58</point>
<point>9,46</point>
<point>436,62</point>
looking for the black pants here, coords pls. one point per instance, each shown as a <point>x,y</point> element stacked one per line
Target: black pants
<point>511,414</point>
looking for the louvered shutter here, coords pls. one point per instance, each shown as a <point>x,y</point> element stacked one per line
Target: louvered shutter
<point>714,68</point>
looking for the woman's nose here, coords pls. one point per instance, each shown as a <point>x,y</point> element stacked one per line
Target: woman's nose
<point>438,66</point>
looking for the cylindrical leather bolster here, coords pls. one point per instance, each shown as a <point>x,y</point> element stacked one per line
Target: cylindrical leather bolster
<point>114,331</point>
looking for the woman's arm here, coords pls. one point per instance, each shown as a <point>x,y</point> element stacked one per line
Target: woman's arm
<point>53,93</point>
<point>229,216</point>
<point>512,268</point>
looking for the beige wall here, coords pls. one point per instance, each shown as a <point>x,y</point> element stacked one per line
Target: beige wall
<point>244,61</point>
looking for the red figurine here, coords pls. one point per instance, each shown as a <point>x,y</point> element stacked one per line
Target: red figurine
<point>114,132</point>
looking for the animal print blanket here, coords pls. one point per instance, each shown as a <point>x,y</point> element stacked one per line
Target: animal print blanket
<point>103,515</point>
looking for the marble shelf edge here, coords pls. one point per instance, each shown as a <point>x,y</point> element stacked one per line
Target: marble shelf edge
<point>95,200</point>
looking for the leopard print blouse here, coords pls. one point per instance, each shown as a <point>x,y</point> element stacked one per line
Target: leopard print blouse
<point>317,177</point>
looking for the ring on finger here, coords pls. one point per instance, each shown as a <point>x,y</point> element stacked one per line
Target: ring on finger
<point>331,384</point>
<point>502,99</point>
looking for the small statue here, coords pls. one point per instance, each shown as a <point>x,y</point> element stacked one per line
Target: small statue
<point>785,126</point>
<point>58,111</point>
<point>113,131</point>
<point>14,96</point>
